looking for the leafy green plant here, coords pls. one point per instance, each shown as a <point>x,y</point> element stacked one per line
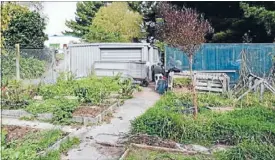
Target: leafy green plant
<point>15,95</point>
<point>127,88</point>
<point>63,113</point>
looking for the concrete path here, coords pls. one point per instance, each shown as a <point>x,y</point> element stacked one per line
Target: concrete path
<point>36,124</point>
<point>120,123</point>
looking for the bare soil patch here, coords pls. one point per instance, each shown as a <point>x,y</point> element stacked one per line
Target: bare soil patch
<point>88,111</point>
<point>17,132</point>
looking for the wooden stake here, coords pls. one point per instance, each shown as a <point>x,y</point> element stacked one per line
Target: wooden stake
<point>17,46</point>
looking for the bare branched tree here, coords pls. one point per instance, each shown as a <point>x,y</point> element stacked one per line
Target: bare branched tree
<point>185,29</point>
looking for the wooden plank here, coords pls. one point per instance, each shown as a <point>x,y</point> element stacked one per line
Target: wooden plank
<point>209,89</point>
<point>124,154</point>
<point>216,82</point>
<point>209,84</point>
<point>254,86</point>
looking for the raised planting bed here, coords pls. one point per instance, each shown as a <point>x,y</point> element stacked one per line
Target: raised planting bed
<point>63,112</point>
<point>25,143</point>
<point>89,115</point>
<point>16,132</point>
<point>145,152</point>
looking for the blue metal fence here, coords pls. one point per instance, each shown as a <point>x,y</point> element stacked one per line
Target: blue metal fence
<point>215,56</point>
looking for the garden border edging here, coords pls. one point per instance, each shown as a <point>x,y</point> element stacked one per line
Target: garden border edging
<point>99,118</point>
<point>17,114</point>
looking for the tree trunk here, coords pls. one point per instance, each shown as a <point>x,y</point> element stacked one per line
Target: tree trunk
<point>194,93</point>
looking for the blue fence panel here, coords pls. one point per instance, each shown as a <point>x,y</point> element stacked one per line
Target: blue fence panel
<point>215,56</point>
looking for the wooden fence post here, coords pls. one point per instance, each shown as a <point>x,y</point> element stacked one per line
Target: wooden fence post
<point>17,47</point>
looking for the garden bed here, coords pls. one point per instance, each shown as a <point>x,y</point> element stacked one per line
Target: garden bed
<point>25,143</point>
<point>87,111</point>
<point>90,115</point>
<point>82,114</point>
<point>17,132</point>
<point>59,103</point>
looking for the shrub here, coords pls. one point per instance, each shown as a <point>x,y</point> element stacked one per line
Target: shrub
<point>30,68</point>
<point>15,95</point>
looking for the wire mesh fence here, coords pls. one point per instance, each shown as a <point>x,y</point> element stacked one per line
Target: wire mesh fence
<point>35,65</point>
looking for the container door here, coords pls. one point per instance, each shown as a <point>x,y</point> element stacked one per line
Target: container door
<point>118,54</point>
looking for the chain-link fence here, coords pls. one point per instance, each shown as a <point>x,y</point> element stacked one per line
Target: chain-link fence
<point>35,65</point>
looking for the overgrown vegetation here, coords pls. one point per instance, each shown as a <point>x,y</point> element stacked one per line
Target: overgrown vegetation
<point>62,109</point>
<point>231,128</point>
<point>181,82</point>
<point>87,91</point>
<point>248,150</point>
<point>30,146</point>
<point>138,154</point>
<point>15,95</point>
<point>92,90</point>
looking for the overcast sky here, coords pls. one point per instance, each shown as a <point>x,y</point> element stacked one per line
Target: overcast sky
<point>57,13</point>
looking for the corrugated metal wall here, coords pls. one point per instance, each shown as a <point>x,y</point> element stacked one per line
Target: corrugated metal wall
<point>82,59</point>
<point>225,57</point>
<point>121,54</point>
<point>83,56</point>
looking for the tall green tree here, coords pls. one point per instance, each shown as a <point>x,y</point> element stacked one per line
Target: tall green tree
<point>85,12</point>
<point>9,11</point>
<point>148,10</point>
<point>230,21</point>
<point>98,34</point>
<point>117,18</point>
<point>27,29</point>
<point>262,15</point>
